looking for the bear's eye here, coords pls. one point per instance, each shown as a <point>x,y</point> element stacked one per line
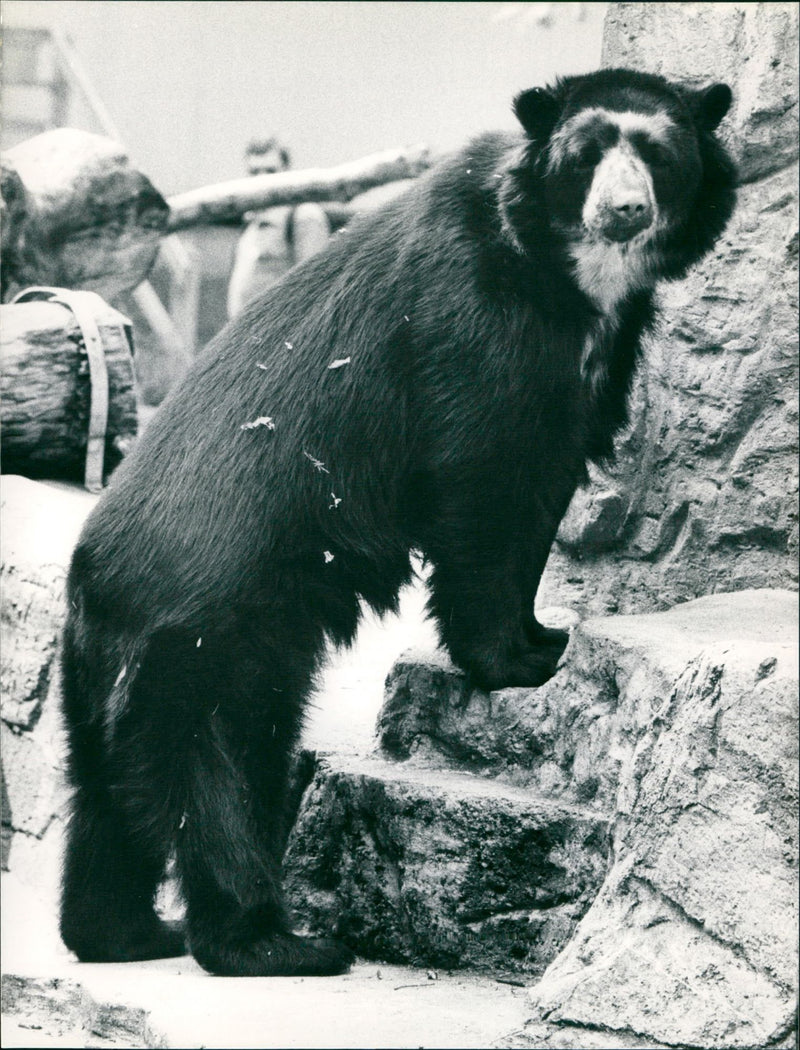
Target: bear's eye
<point>588,156</point>
<point>653,153</point>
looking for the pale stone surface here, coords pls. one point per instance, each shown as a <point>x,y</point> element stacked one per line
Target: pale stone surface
<point>558,738</point>
<point>693,938</point>
<point>58,1009</point>
<point>39,526</point>
<point>639,965</point>
<point>680,730</point>
<point>30,620</point>
<point>751,46</point>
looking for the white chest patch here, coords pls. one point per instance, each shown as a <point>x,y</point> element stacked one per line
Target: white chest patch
<point>607,272</point>
<point>596,347</point>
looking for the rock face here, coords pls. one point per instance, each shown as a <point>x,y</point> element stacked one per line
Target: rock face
<point>703,496</point>
<point>35,555</point>
<point>752,47</point>
<point>693,938</point>
<point>660,760</point>
<point>93,221</point>
<point>67,1015</point>
<point>441,869</point>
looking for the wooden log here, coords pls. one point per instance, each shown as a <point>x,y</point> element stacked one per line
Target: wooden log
<point>45,395</point>
<point>339,213</point>
<point>94,221</point>
<point>228,201</point>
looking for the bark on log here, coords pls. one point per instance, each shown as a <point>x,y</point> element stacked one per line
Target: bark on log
<point>94,221</point>
<point>228,201</point>
<point>339,213</point>
<point>46,390</point>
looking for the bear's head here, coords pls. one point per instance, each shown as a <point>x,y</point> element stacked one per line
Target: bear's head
<point>626,165</point>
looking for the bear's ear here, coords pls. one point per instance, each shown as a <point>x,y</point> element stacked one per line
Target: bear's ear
<point>709,105</point>
<point>537,111</point>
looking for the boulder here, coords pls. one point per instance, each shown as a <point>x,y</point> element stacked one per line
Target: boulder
<point>35,556</point>
<point>677,731</point>
<point>440,869</point>
<point>93,221</point>
<point>692,940</point>
<point>65,1014</point>
<point>31,615</point>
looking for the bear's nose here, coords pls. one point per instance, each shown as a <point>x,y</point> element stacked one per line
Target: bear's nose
<point>632,207</point>
<point>632,210</point>
<point>628,211</point>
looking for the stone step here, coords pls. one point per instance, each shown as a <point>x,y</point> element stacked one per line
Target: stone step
<point>661,759</point>
<point>579,737</point>
<point>439,868</point>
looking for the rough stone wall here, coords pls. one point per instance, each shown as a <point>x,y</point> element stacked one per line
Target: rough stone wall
<point>703,496</point>
<point>692,940</point>
<point>40,524</point>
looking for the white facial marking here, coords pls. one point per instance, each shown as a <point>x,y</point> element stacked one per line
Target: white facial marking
<point>656,125</point>
<point>607,271</point>
<point>621,170</point>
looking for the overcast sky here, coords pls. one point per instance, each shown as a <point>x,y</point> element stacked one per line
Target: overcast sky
<point>188,83</point>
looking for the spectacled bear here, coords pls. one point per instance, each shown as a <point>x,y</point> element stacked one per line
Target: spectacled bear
<point>436,380</point>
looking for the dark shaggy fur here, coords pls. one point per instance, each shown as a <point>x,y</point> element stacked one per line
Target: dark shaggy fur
<point>210,575</point>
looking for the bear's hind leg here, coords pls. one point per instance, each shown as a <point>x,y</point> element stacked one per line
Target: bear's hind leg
<point>110,881</point>
<point>230,842</point>
<point>117,844</point>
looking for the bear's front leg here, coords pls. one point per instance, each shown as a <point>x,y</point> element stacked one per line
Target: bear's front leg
<point>486,571</point>
<point>487,624</point>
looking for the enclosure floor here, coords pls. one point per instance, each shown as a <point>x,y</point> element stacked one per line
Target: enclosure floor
<point>181,1006</point>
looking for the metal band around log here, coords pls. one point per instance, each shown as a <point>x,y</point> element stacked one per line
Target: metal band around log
<point>85,307</point>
